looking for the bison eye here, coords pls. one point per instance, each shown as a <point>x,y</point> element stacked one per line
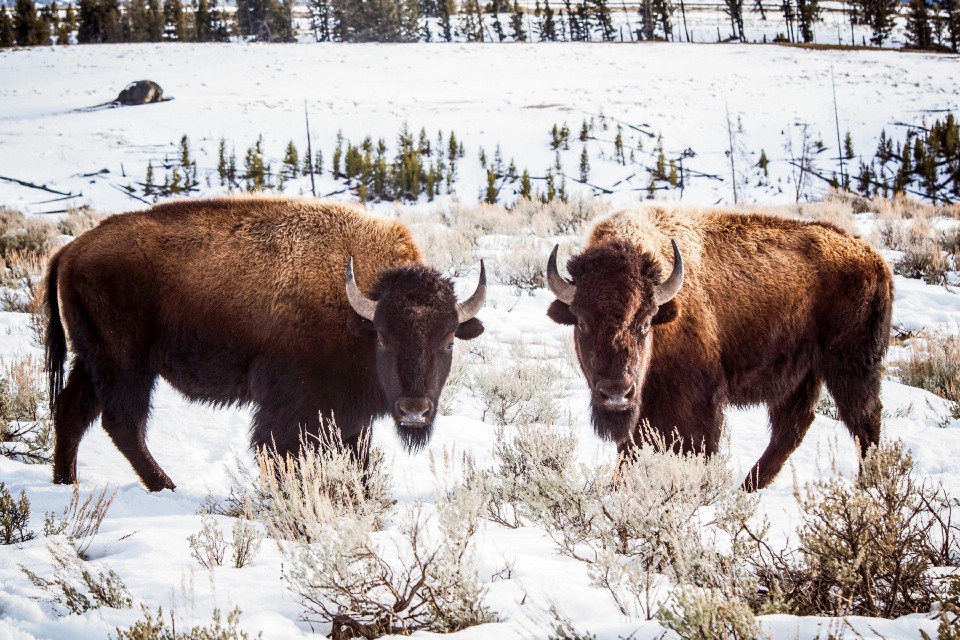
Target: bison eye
<point>645,327</point>
<point>582,327</point>
<point>449,347</point>
<point>380,343</point>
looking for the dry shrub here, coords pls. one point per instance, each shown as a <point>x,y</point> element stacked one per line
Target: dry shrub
<point>634,523</point>
<point>708,614</point>
<point>14,518</point>
<point>26,431</point>
<point>924,261</point>
<point>933,364</point>
<point>207,546</point>
<point>160,628</point>
<point>75,588</point>
<point>949,614</point>
<point>866,546</point>
<point>524,266</point>
<point>81,519</point>
<point>517,390</point>
<point>368,584</point>
<point>246,542</point>
<point>79,221</point>
<point>949,242</point>
<point>324,479</point>
<point>449,250</point>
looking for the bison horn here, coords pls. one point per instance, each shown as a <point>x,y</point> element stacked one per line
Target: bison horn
<point>472,305</point>
<point>561,288</point>
<point>360,303</point>
<point>665,291</point>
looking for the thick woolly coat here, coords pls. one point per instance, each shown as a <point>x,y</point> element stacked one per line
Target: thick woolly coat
<point>770,307</point>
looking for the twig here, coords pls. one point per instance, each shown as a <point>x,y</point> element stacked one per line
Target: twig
<point>39,186</point>
<point>129,193</point>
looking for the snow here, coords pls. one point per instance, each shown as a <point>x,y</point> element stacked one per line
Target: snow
<point>487,94</point>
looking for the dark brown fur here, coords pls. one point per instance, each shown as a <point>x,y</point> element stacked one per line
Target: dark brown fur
<point>242,300</point>
<point>770,309</point>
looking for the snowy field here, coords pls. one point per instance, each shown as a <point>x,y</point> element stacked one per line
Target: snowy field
<point>509,95</point>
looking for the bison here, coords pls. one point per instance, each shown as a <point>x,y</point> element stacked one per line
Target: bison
<point>754,309</point>
<point>254,300</point>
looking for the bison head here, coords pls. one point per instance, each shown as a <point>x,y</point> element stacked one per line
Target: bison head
<point>616,296</point>
<point>415,316</point>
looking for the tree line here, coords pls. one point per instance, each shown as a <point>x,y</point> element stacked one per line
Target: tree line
<point>930,24</point>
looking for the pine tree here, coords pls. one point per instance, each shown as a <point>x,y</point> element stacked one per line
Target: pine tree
<point>175,21</point>
<point>495,9</point>
<point>25,19</point>
<point>808,14</point>
<point>919,31</point>
<point>584,165</point>
<point>99,21</point>
<point>50,19</point>
<point>603,17</point>
<point>516,24</point>
<point>526,190</point>
<point>257,172</point>
<point>471,21</point>
<point>734,9</point>
<point>203,28</point>
<point>136,21</point>
<point>321,15</point>
<point>7,38</point>
<point>155,21</point>
<point>67,26</point>
<point>148,186</point>
<point>548,24</point>
<point>291,161</point>
<point>848,147</point>
<point>446,9</point>
<point>879,15</point>
<point>648,22</point>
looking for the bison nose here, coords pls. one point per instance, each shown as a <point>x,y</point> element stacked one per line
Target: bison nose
<point>414,411</point>
<point>616,393</point>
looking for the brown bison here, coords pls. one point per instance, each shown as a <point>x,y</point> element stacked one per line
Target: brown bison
<point>754,309</point>
<point>244,300</point>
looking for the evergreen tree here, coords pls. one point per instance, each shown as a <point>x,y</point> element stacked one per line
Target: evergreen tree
<point>155,21</point>
<point>808,13</point>
<point>26,29</point>
<point>321,16</point>
<point>848,147</point>
<point>950,12</point>
<point>136,21</point>
<point>548,24</point>
<point>471,21</point>
<point>67,25</point>
<point>203,27</point>
<point>291,161</point>
<point>445,11</point>
<point>919,31</point>
<point>496,9</point>
<point>271,20</point>
<point>584,165</point>
<point>879,15</point>
<point>7,37</point>
<point>175,21</point>
<point>50,17</point>
<point>99,21</point>
<point>602,16</point>
<point>663,10</point>
<point>648,21</point>
<point>516,24</point>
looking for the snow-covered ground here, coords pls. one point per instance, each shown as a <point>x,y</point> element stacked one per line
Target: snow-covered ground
<point>506,94</point>
<point>509,95</point>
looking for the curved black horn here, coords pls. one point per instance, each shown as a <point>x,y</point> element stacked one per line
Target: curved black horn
<point>665,291</point>
<point>360,303</point>
<point>560,287</point>
<point>472,305</point>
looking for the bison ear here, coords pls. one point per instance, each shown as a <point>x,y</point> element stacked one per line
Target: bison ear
<point>668,312</point>
<point>560,313</point>
<point>358,325</point>
<point>469,330</point>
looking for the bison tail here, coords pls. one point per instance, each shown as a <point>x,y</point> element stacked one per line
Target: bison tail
<point>55,340</point>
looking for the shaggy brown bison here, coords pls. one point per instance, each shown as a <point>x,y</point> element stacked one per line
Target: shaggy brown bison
<point>249,300</point>
<point>755,309</point>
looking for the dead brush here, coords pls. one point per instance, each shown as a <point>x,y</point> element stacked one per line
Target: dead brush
<point>365,583</point>
<point>933,363</point>
<point>26,431</point>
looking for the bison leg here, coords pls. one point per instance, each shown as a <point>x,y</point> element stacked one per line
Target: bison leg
<point>125,421</point>
<point>790,420</point>
<point>857,397</point>
<point>75,410</point>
